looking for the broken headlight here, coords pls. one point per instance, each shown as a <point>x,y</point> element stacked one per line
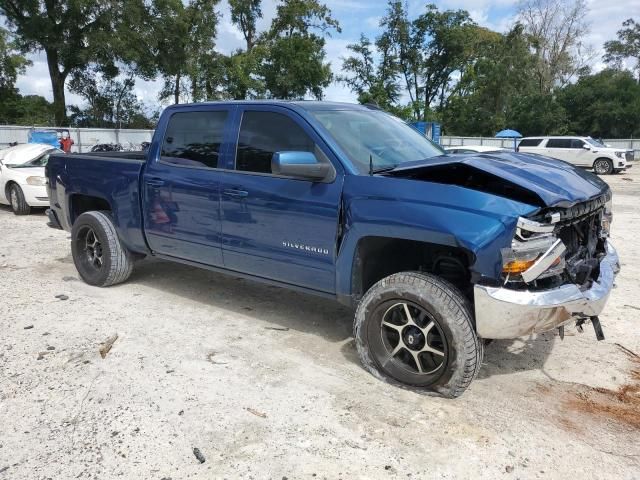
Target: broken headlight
<point>535,252</point>
<point>607,218</point>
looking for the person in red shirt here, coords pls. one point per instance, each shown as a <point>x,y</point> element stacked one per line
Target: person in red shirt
<point>66,142</point>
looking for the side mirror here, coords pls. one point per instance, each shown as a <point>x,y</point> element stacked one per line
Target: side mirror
<point>303,165</point>
<point>586,147</point>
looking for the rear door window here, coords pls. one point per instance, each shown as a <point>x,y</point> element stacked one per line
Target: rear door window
<point>193,139</point>
<point>530,142</point>
<point>559,143</point>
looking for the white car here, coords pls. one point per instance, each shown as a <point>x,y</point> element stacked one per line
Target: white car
<point>474,149</point>
<point>22,181</point>
<point>580,151</point>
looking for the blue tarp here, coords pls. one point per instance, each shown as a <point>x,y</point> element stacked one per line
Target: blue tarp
<point>48,137</point>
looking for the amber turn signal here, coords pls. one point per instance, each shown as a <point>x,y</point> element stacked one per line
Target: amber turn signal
<point>518,266</point>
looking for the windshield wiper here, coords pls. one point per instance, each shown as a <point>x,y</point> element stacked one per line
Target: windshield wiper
<point>374,171</point>
<point>382,170</point>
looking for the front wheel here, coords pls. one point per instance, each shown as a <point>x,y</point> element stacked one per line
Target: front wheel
<point>98,254</point>
<point>18,204</point>
<point>415,329</point>
<point>603,166</point>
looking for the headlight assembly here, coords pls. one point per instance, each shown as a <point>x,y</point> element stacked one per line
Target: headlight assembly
<point>607,218</point>
<point>620,154</point>
<point>535,252</point>
<point>37,181</point>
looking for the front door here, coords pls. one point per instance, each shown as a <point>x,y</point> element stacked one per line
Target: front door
<point>182,186</point>
<point>274,227</point>
<point>581,156</point>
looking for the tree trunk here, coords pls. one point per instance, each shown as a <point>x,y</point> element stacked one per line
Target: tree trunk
<point>57,86</point>
<point>195,89</point>
<point>249,39</point>
<point>176,92</point>
<point>208,88</point>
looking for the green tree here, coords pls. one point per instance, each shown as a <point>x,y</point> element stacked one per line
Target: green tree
<point>185,36</point>
<point>556,29</point>
<point>605,105</point>
<point>293,59</point>
<point>483,99</point>
<point>73,34</point>
<point>626,46</point>
<point>538,114</point>
<point>111,102</point>
<point>245,15</point>
<point>373,81</point>
<point>12,64</point>
<point>429,50</point>
<point>28,110</point>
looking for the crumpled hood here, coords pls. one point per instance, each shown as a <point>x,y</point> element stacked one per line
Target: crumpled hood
<point>556,183</point>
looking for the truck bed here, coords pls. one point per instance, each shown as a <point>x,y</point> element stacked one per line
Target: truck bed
<point>104,181</point>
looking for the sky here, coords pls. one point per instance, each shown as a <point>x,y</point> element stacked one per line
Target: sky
<point>356,17</point>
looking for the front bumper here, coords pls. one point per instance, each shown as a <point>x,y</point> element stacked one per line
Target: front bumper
<point>35,195</point>
<point>502,313</point>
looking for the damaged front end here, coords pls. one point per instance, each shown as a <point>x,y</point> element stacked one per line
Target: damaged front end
<point>560,268</point>
<point>559,246</point>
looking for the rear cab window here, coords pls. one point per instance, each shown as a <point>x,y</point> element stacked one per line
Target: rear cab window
<point>193,139</point>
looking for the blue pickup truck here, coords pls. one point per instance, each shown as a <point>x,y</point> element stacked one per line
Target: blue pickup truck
<point>436,253</point>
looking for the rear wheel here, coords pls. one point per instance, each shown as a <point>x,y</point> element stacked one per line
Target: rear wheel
<point>98,254</point>
<point>603,166</point>
<point>414,329</point>
<point>18,204</point>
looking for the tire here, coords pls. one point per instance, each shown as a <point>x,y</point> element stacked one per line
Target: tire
<point>98,254</point>
<point>440,352</point>
<point>18,204</point>
<point>603,166</point>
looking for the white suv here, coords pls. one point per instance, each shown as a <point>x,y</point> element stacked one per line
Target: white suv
<point>580,151</point>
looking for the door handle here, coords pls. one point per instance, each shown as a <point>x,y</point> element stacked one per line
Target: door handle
<point>155,182</point>
<point>235,193</point>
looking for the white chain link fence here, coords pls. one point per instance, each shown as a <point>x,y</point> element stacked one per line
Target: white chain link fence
<point>83,138</point>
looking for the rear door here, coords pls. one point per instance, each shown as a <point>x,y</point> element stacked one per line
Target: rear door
<point>560,148</point>
<point>181,202</point>
<point>531,145</point>
<point>276,227</point>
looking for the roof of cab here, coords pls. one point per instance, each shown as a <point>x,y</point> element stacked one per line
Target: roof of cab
<point>309,105</point>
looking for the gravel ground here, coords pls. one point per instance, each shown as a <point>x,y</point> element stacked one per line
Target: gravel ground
<point>266,383</point>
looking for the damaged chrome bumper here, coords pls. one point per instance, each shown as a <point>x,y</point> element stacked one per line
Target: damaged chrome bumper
<point>502,313</point>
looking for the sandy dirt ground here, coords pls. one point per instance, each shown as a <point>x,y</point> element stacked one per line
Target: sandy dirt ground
<point>266,383</point>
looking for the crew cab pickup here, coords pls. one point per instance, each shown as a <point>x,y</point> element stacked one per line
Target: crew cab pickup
<point>436,253</point>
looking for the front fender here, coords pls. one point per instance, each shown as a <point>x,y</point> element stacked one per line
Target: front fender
<point>479,223</point>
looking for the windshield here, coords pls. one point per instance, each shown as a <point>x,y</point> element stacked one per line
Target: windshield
<point>595,143</point>
<point>40,161</point>
<point>376,134</point>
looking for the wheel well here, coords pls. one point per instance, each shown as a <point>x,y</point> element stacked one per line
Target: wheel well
<point>86,203</point>
<point>7,187</point>
<point>603,158</point>
<point>379,257</point>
